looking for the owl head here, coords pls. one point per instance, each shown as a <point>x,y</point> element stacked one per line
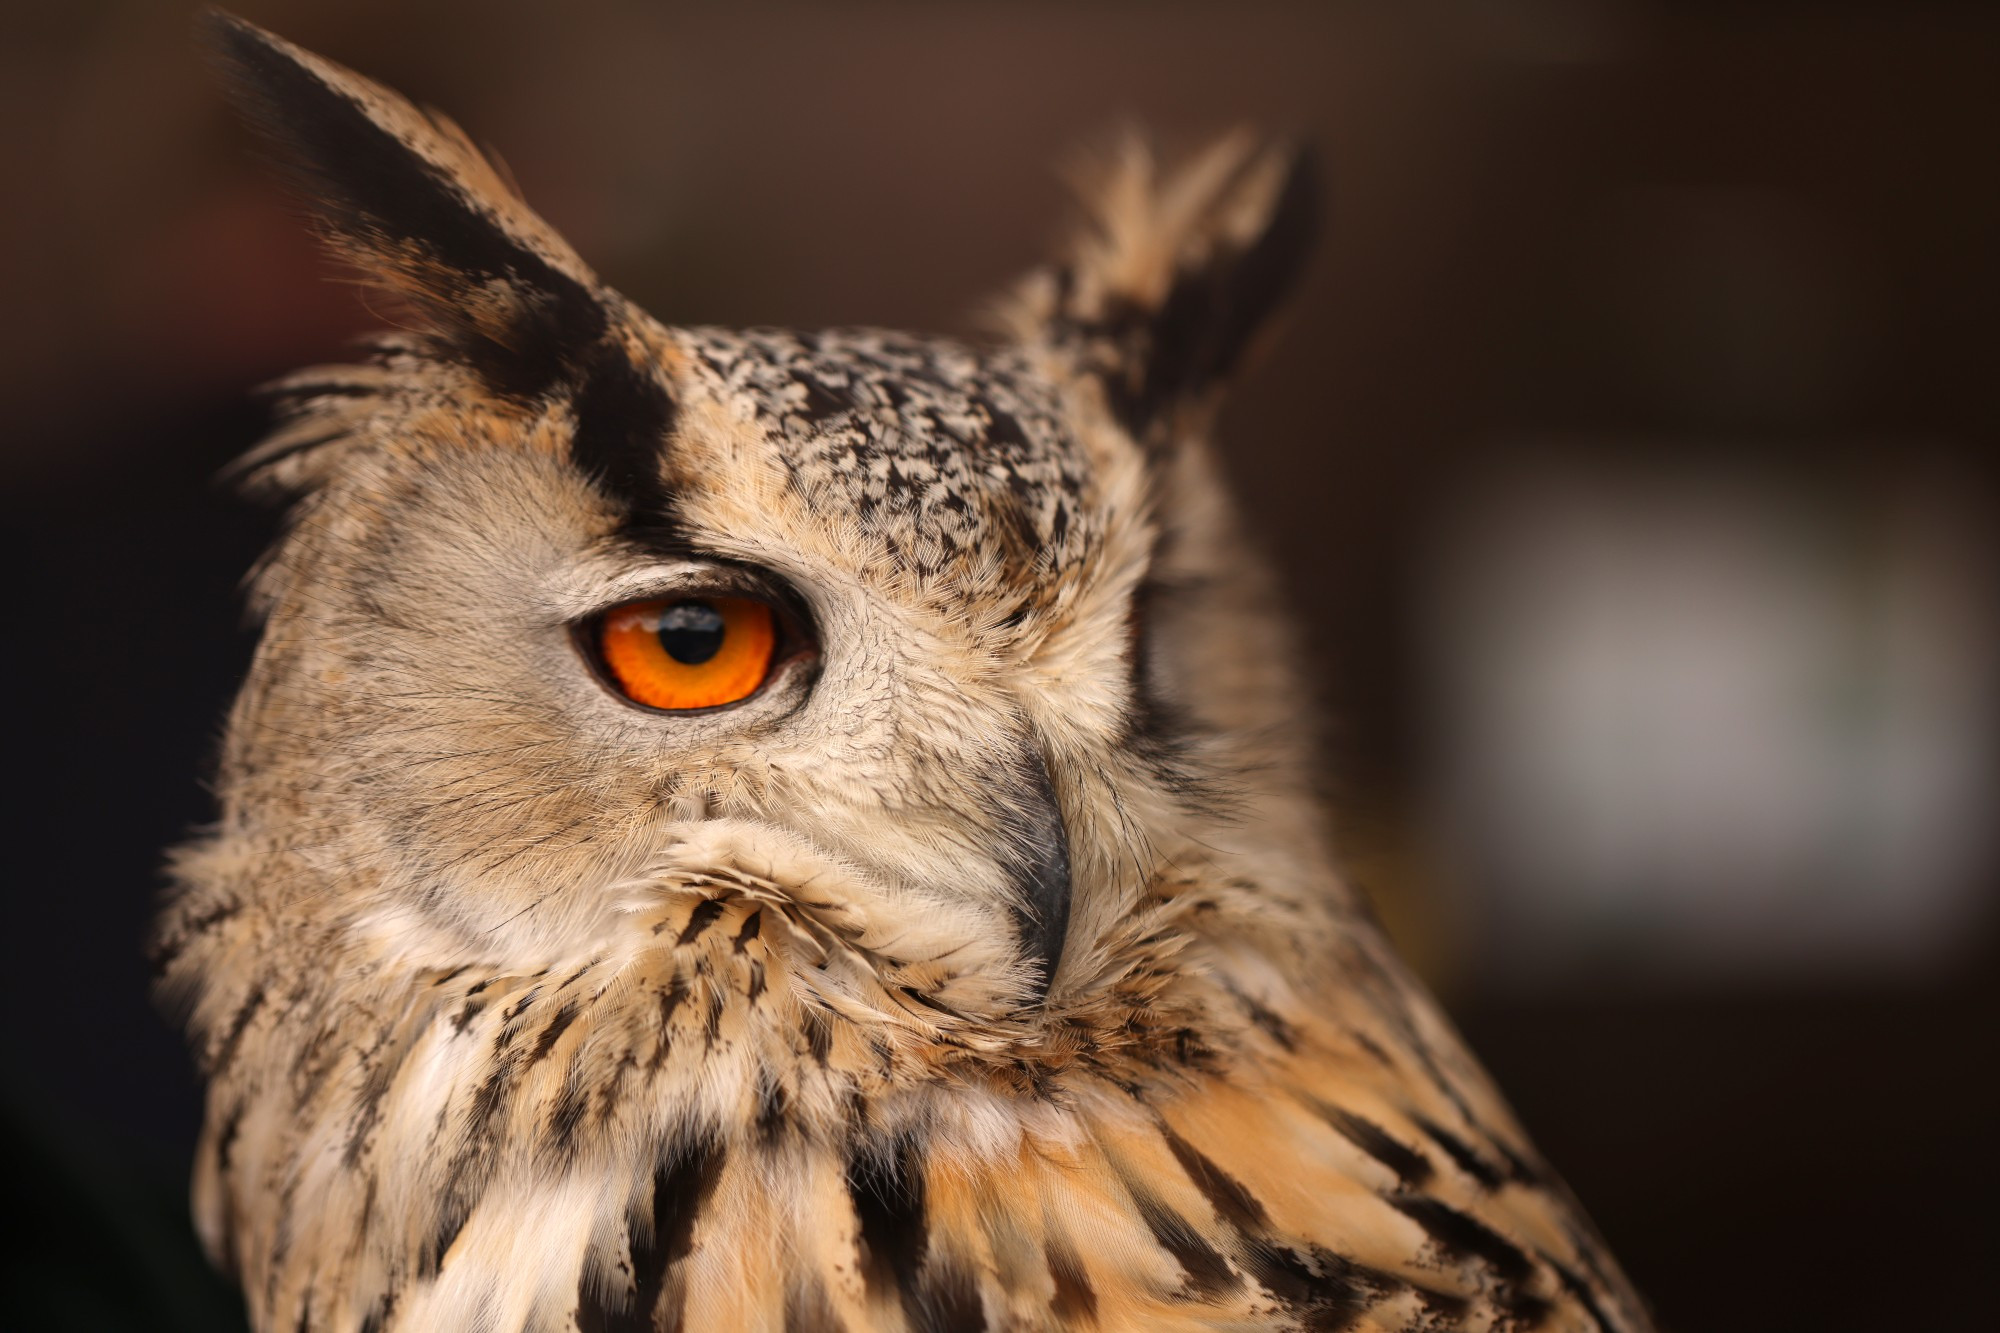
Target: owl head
<point>945,649</point>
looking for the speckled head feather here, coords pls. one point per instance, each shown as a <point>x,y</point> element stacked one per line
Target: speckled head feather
<point>982,967</point>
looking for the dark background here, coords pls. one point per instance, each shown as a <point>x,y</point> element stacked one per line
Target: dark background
<point>1694,301</point>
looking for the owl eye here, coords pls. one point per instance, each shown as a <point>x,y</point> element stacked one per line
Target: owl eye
<point>690,652</point>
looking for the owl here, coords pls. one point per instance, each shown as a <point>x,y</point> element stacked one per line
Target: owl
<point>751,829</point>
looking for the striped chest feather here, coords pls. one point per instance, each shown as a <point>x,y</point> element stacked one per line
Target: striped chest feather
<point>688,1133</point>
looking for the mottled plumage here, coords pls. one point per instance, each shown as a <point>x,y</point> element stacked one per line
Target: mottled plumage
<point>986,968</point>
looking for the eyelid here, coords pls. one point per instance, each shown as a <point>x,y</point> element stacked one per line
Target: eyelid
<point>679,580</point>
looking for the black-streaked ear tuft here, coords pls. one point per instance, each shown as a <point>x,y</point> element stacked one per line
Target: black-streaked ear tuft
<point>1175,273</point>
<point>404,196</point>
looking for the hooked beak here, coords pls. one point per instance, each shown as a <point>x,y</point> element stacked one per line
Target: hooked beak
<point>1037,862</point>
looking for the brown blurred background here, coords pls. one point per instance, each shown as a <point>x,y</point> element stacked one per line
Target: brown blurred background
<point>1626,460</point>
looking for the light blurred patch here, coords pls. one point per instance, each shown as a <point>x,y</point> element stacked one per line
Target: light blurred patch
<point>1696,722</point>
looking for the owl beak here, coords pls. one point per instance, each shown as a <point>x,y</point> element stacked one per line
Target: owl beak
<point>1037,861</point>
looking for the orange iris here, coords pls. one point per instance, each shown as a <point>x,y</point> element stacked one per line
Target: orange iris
<point>691,652</point>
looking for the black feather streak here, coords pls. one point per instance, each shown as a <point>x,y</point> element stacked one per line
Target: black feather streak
<point>381,197</point>
<point>1208,1273</point>
<point>948,1302</point>
<point>682,1187</point>
<point>232,1037</point>
<point>886,1183</point>
<point>1410,1166</point>
<point>164,953</point>
<point>1456,1148</point>
<point>1075,1301</point>
<point>555,1028</point>
<point>1233,1203</point>
<point>1580,1291</point>
<point>1199,331</point>
<point>704,915</point>
<point>1458,1234</point>
<point>623,417</point>
<point>772,1101</point>
<point>451,1219</point>
<point>1329,1299</point>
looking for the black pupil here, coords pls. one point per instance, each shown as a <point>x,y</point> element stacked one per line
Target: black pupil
<point>691,632</point>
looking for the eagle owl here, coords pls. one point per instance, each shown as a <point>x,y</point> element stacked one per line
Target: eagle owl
<point>757,829</point>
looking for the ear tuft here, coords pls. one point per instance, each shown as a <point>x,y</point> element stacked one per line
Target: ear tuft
<point>1174,274</point>
<point>404,195</point>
